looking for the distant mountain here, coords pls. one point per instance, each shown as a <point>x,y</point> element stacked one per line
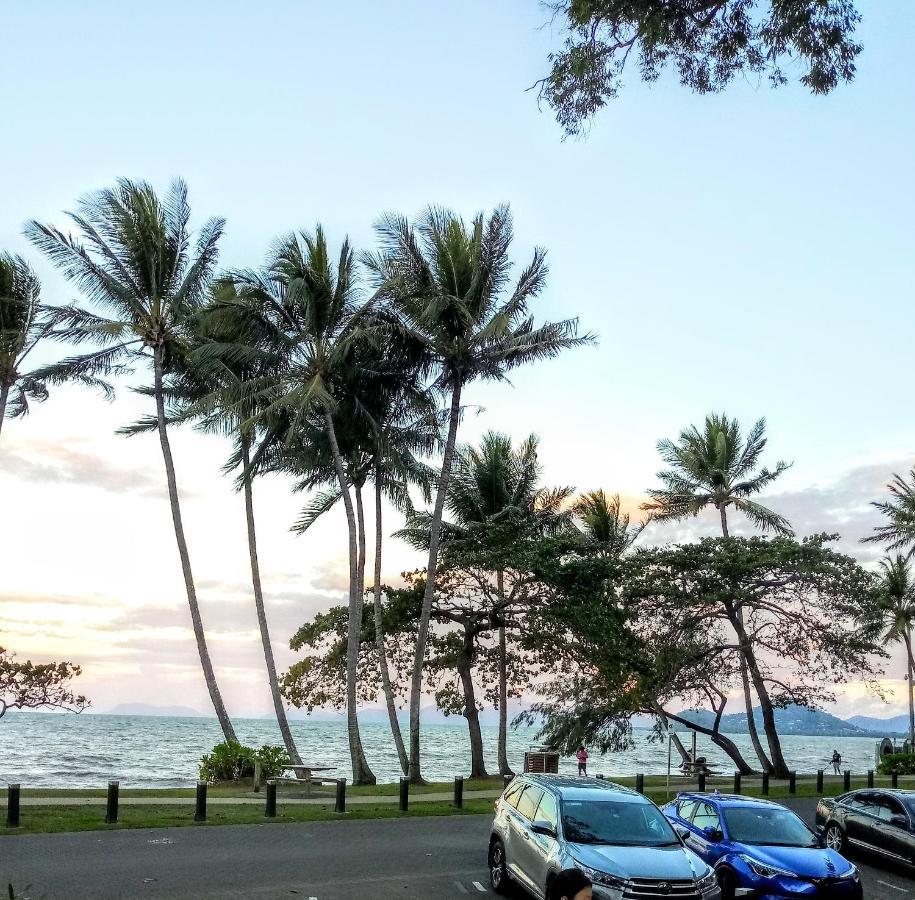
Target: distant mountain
<point>145,709</point>
<point>791,720</point>
<point>890,727</point>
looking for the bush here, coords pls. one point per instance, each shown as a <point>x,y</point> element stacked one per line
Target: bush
<point>233,762</point>
<point>900,763</point>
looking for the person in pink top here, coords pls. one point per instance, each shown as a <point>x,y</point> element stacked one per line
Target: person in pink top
<point>582,757</point>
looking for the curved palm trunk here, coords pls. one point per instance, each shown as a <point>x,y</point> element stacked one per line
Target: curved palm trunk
<point>4,396</point>
<point>422,636</point>
<point>379,637</point>
<point>471,713</point>
<point>674,737</point>
<point>719,740</point>
<point>278,705</point>
<point>362,774</point>
<point>752,730</point>
<point>208,674</point>
<point>504,768</point>
<point>907,637</point>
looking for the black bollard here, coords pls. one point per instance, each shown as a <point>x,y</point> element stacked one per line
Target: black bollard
<point>640,783</point>
<point>870,778</point>
<point>819,781</point>
<point>111,810</point>
<point>701,781</point>
<point>737,782</point>
<point>12,806</point>
<point>895,779</point>
<point>340,804</point>
<point>846,781</point>
<point>792,782</point>
<point>459,792</point>
<point>270,811</point>
<point>404,794</point>
<point>765,784</point>
<point>200,810</point>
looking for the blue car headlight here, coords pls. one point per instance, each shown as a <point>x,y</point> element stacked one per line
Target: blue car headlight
<point>763,870</point>
<point>603,878</point>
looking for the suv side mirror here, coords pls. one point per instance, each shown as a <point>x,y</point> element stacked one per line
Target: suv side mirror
<point>712,833</point>
<point>900,822</point>
<point>682,833</point>
<point>544,828</point>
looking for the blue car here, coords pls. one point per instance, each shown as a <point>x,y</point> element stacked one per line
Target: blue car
<point>760,849</point>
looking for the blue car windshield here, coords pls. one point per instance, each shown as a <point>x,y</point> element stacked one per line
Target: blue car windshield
<point>616,822</point>
<point>767,825</point>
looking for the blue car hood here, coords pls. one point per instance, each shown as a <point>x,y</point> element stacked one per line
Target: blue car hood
<point>813,862</point>
<point>640,862</point>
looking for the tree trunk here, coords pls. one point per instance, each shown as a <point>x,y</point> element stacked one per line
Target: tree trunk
<point>907,637</point>
<point>379,637</point>
<point>429,594</point>
<point>745,680</point>
<point>719,740</point>
<point>362,774</point>
<point>208,674</point>
<point>504,768</point>
<point>4,395</point>
<point>278,705</point>
<point>471,713</point>
<point>674,737</point>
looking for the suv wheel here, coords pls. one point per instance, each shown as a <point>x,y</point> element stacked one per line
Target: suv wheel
<point>835,838</point>
<point>498,871</point>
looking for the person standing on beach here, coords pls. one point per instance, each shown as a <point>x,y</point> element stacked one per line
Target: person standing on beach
<point>582,757</point>
<point>836,762</point>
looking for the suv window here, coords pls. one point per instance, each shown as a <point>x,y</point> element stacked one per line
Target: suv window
<point>513,793</point>
<point>687,808</point>
<point>887,807</point>
<point>527,805</point>
<point>706,817</point>
<point>548,811</point>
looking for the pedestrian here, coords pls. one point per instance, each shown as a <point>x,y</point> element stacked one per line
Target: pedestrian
<point>572,884</point>
<point>582,757</point>
<point>836,762</point>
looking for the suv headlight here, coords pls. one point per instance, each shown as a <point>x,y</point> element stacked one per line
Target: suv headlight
<point>763,870</point>
<point>707,881</point>
<point>603,878</point>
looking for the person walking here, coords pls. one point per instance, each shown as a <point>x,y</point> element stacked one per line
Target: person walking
<point>582,757</point>
<point>570,884</point>
<point>836,762</point>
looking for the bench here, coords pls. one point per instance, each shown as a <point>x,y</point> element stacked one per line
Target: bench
<point>302,775</point>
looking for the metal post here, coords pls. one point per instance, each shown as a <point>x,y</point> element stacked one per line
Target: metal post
<point>459,792</point>
<point>270,811</point>
<point>404,794</point>
<point>701,781</point>
<point>870,778</point>
<point>640,783</point>
<point>340,805</point>
<point>792,782</point>
<point>895,779</point>
<point>111,810</point>
<point>257,775</point>
<point>846,781</point>
<point>12,806</point>
<point>200,810</point>
<point>765,784</point>
<point>819,781</point>
<point>737,782</point>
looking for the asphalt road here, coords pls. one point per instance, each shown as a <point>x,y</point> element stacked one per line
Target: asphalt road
<point>411,859</point>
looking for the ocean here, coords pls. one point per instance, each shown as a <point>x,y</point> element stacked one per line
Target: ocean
<point>68,751</point>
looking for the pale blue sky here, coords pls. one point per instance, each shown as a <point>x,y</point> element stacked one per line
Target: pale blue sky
<point>748,252</point>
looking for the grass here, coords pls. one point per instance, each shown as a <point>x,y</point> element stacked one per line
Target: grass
<point>51,819</point>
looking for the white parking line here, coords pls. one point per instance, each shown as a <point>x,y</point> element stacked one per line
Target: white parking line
<point>895,887</point>
<point>479,887</point>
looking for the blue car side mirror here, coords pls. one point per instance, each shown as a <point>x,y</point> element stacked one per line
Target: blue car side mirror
<point>712,833</point>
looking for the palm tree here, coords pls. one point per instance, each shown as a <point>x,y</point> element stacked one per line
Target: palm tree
<point>26,322</point>
<point>717,468</point>
<point>897,608</point>
<point>899,532</point>
<point>449,284</point>
<point>135,261</point>
<point>603,523</point>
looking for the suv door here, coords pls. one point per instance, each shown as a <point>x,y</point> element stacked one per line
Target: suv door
<point>522,852</point>
<point>705,816</point>
<point>543,846</point>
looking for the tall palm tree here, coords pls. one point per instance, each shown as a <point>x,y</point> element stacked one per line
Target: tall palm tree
<point>897,608</point>
<point>899,531</point>
<point>136,263</point>
<point>25,323</point>
<point>717,468</point>
<point>449,284</point>
<point>603,523</point>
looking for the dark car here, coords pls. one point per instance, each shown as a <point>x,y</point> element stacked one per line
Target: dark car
<point>879,821</point>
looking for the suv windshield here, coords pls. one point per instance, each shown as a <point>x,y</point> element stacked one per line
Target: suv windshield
<point>615,822</point>
<point>772,827</point>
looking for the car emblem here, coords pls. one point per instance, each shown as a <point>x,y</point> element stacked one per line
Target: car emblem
<point>664,887</point>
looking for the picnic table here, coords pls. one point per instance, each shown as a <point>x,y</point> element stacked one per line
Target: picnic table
<point>697,767</point>
<point>304,773</point>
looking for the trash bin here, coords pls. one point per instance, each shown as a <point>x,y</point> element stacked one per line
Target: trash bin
<point>542,761</point>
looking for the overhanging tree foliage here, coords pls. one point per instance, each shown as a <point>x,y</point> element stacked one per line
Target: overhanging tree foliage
<point>28,685</point>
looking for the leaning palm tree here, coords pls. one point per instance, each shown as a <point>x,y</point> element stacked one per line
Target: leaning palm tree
<point>897,609</point>
<point>899,531</point>
<point>135,262</point>
<point>25,323</point>
<point>450,286</point>
<point>716,468</point>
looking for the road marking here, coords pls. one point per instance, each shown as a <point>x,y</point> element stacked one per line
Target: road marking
<point>895,887</point>
<point>460,887</point>
<point>479,887</point>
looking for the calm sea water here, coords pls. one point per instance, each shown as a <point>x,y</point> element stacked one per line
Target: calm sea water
<point>49,750</point>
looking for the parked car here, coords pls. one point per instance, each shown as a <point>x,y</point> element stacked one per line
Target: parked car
<point>761,848</point>
<point>880,821</point>
<point>617,837</point>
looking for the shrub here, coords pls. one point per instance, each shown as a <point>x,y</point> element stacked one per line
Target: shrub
<point>900,763</point>
<point>232,762</point>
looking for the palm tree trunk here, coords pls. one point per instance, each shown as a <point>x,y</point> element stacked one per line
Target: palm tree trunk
<point>907,637</point>
<point>362,774</point>
<point>379,636</point>
<point>719,740</point>
<point>435,529</point>
<point>745,680</point>
<point>504,768</point>
<point>4,395</point>
<point>471,713</point>
<point>674,737</point>
<point>278,705</point>
<point>208,673</point>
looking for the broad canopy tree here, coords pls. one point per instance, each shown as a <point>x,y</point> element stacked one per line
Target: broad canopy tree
<point>28,685</point>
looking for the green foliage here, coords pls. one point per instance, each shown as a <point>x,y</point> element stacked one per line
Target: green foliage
<point>233,762</point>
<point>708,42</point>
<point>28,685</point>
<point>898,763</point>
<point>899,531</point>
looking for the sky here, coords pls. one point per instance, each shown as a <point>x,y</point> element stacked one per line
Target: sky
<point>748,252</point>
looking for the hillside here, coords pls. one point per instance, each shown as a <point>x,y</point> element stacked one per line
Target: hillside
<point>791,720</point>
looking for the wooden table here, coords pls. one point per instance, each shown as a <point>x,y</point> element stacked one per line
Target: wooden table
<point>304,773</point>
